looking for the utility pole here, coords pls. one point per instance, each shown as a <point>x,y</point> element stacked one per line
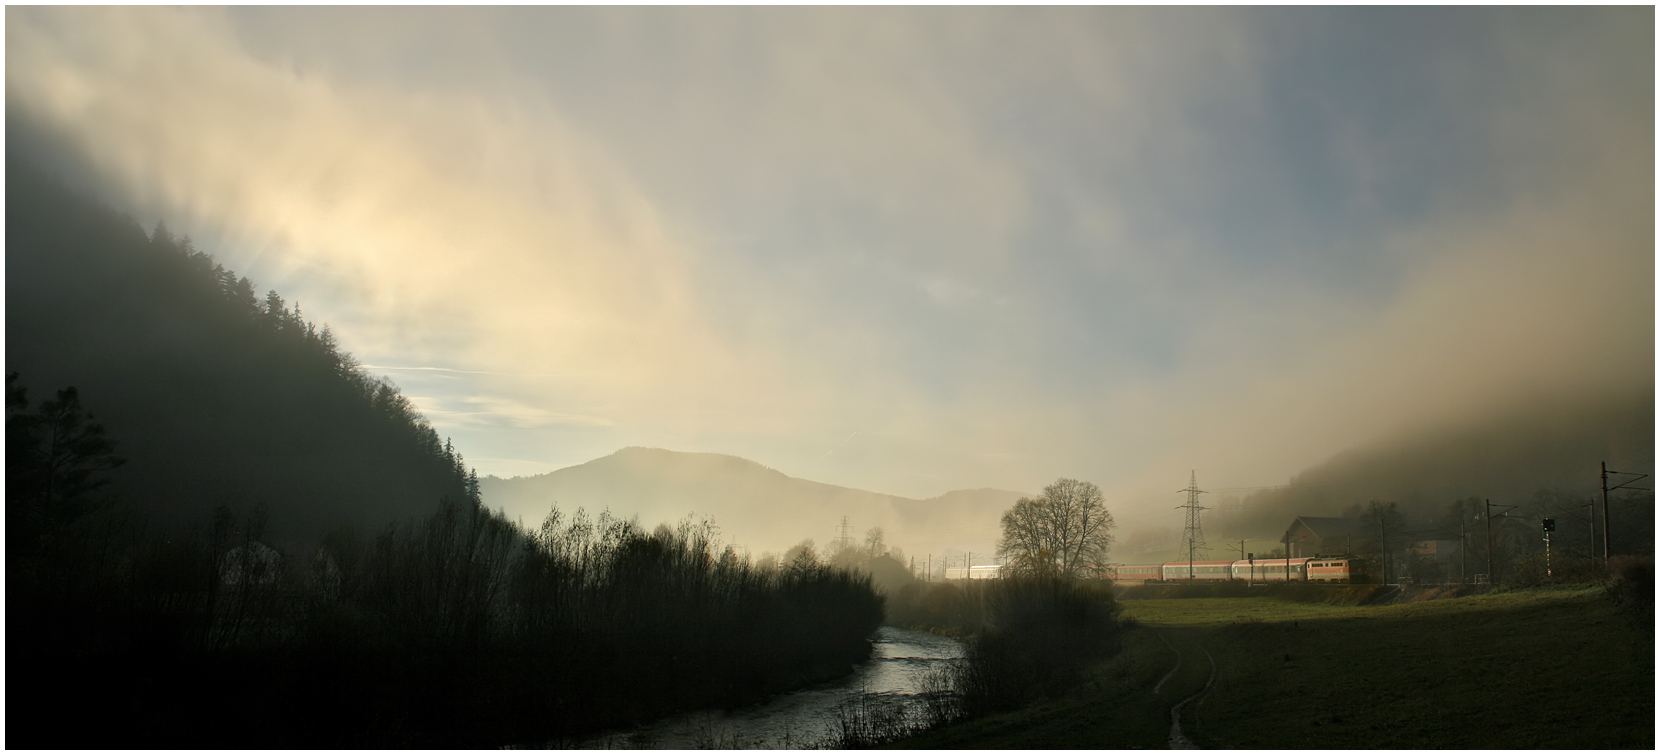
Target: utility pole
<point>1288,557</point>
<point>1605,473</point>
<point>1591,554</point>
<point>1489,502</point>
<point>1463,546</point>
<point>844,541</point>
<point>930,568</point>
<point>1605,513</point>
<point>1383,535</point>
<point>1193,534</point>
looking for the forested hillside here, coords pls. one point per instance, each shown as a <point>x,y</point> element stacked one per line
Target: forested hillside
<point>1550,448</point>
<point>213,393</point>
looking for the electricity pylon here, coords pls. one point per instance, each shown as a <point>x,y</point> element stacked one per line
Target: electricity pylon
<point>1193,536</point>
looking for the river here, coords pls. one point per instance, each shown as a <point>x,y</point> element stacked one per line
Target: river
<point>895,675</point>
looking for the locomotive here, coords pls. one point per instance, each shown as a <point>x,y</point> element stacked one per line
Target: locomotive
<point>1315,569</point>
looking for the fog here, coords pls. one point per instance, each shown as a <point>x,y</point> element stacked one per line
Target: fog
<point>915,251</point>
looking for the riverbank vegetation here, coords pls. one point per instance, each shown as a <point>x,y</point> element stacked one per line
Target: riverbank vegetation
<point>457,630</point>
<point>1040,634</point>
<point>1026,638</point>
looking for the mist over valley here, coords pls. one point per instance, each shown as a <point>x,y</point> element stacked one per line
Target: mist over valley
<point>757,509</point>
<point>639,377</point>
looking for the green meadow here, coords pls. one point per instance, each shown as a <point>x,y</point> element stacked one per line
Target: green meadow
<point>1558,667</point>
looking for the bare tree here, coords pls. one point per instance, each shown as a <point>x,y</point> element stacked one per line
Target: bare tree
<point>1385,523</point>
<point>1067,531</point>
<point>873,542</point>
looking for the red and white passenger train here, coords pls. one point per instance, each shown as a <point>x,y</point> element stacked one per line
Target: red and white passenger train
<point>1316,569</point>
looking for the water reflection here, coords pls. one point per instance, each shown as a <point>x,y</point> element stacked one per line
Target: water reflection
<point>895,673</point>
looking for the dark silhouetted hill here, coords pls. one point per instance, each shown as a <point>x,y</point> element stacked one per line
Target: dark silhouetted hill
<point>213,394</point>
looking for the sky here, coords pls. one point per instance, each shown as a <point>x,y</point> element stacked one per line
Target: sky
<point>904,250</point>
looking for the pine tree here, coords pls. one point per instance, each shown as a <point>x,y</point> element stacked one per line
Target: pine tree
<point>56,458</point>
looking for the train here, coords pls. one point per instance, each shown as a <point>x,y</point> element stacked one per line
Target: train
<point>985,571</point>
<point>1311,569</point>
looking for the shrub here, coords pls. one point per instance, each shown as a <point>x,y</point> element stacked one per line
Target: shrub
<point>948,608</point>
<point>1040,635</point>
<point>1631,586</point>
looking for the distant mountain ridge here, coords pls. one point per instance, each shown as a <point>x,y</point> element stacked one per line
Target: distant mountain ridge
<point>755,506</point>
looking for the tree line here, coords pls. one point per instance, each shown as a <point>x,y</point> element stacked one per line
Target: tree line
<point>1507,542</point>
<point>458,629</point>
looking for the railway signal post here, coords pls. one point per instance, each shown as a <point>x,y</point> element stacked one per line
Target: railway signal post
<point>1550,526</point>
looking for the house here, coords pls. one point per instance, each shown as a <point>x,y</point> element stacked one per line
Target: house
<point>253,564</point>
<point>1329,535</point>
<point>1418,552</point>
<point>1430,554</point>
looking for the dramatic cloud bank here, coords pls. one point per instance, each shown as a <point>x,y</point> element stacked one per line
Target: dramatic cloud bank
<point>905,250</point>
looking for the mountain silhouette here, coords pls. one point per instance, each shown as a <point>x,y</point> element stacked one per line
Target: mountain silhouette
<point>754,506</point>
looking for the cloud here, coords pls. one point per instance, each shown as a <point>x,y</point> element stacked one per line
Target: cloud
<point>461,229</point>
<point>455,371</point>
<point>1000,245</point>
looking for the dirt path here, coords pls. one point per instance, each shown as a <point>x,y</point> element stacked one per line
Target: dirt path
<point>1173,669</point>
<point>1178,740</point>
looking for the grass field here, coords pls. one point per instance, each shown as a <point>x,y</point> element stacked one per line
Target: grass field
<point>1543,668</point>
